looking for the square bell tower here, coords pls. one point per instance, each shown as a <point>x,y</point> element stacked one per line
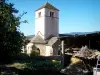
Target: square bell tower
<point>47,21</point>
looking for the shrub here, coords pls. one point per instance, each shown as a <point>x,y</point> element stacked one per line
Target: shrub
<point>23,55</point>
<point>35,53</point>
<point>43,65</point>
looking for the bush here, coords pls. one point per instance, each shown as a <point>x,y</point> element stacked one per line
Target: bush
<point>43,65</point>
<point>23,55</point>
<point>35,53</point>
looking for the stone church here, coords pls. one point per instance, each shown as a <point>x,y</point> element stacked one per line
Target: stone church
<point>46,31</point>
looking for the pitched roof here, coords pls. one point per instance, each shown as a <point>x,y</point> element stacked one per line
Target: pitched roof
<point>52,40</point>
<point>47,5</point>
<point>38,39</point>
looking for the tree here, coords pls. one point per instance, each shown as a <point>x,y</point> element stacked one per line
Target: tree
<point>11,39</point>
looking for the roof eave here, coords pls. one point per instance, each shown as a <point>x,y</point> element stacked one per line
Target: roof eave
<point>47,8</point>
<point>39,42</point>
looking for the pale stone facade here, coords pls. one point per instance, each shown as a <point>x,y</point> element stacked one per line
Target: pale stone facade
<point>48,49</point>
<point>46,31</point>
<point>46,22</point>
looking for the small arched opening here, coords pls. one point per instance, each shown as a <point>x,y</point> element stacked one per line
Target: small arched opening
<point>38,50</point>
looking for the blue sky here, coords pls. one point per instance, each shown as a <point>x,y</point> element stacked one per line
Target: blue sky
<point>74,15</point>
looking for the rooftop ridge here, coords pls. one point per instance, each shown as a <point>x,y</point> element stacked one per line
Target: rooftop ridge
<point>47,5</point>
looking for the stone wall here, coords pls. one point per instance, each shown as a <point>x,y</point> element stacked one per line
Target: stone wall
<point>56,47</point>
<point>42,49</point>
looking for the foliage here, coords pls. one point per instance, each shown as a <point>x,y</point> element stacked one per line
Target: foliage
<point>23,55</point>
<point>31,68</point>
<point>26,41</point>
<point>39,65</point>
<point>11,39</point>
<point>35,53</point>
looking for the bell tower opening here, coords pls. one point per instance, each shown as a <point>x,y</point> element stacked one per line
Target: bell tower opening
<point>51,14</point>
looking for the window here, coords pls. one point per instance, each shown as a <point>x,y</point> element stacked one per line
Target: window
<point>39,14</point>
<point>51,14</point>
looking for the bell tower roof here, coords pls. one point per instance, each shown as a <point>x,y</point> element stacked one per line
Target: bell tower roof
<point>47,5</point>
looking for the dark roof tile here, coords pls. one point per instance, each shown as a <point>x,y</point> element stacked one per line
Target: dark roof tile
<point>47,5</point>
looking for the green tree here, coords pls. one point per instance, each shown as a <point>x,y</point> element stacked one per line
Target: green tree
<point>11,39</point>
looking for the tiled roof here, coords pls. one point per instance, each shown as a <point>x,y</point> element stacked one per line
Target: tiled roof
<point>47,5</point>
<point>38,39</point>
<point>52,41</point>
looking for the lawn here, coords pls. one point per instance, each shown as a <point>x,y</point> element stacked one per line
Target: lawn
<point>36,67</point>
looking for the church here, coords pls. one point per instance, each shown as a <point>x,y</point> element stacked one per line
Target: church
<point>47,38</point>
<point>46,31</point>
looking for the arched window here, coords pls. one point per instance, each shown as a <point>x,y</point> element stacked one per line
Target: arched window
<point>39,14</point>
<point>38,50</point>
<point>59,52</point>
<point>51,14</point>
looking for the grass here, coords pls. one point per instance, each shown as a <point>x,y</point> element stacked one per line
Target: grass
<point>37,65</point>
<point>17,65</point>
<point>46,67</point>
